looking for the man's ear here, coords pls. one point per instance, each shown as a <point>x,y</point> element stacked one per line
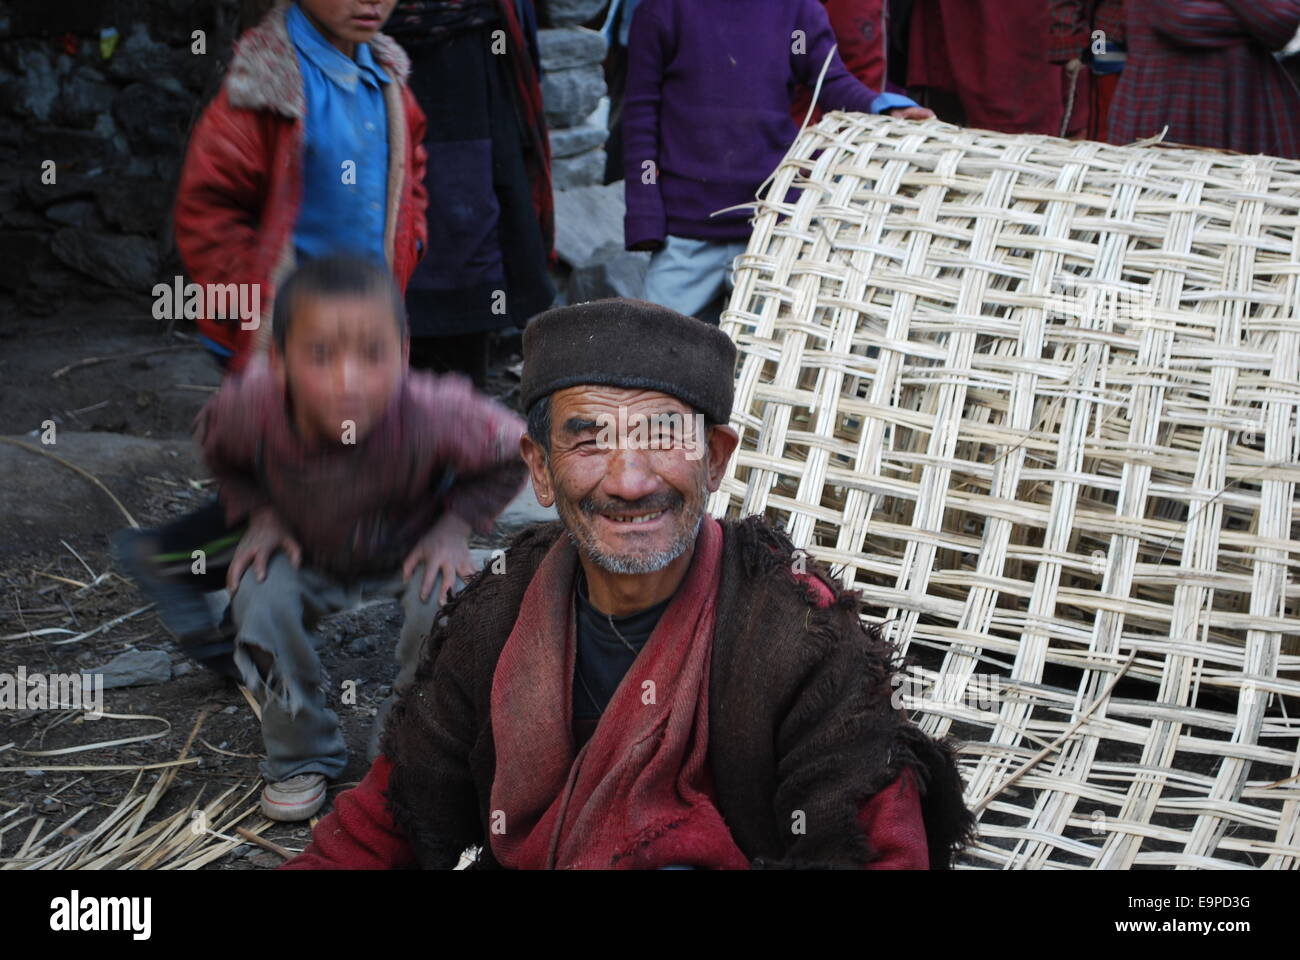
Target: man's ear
<point>722,444</point>
<point>535,457</point>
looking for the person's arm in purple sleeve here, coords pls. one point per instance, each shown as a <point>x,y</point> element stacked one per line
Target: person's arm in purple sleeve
<point>478,439</point>
<point>840,89</point>
<point>644,223</point>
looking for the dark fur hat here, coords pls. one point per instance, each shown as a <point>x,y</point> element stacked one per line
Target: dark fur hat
<point>620,342</point>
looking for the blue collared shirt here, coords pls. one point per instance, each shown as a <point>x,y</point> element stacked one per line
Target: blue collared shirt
<point>345,159</point>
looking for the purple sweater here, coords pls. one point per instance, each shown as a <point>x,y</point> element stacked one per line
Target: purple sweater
<point>709,88</point>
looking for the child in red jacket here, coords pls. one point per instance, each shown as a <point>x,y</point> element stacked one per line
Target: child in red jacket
<point>312,147</point>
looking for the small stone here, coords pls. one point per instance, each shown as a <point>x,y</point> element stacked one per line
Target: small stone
<point>231,709</point>
<point>75,213</point>
<point>34,773</point>
<point>130,262</point>
<point>136,668</point>
<point>152,116</point>
<point>569,96</point>
<point>563,13</point>
<point>587,221</point>
<point>84,99</point>
<point>570,47</point>
<point>572,141</point>
<point>585,169</point>
<point>182,668</point>
<point>620,273</point>
<point>134,204</point>
<point>360,646</point>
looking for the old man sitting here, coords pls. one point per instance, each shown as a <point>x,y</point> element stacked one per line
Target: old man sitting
<point>641,685</point>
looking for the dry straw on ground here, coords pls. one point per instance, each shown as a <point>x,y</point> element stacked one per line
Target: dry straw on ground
<point>1038,400</point>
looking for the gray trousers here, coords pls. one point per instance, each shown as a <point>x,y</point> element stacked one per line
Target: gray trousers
<point>277,617</point>
<point>688,275</point>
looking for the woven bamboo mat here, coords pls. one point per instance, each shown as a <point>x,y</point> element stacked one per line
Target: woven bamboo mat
<point>1038,400</point>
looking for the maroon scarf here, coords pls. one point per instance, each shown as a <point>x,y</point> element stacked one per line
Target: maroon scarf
<point>638,795</point>
<point>538,158</point>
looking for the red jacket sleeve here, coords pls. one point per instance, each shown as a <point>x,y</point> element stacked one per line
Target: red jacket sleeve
<point>891,819</point>
<point>359,833</point>
<point>894,828</point>
<point>417,126</point>
<point>218,213</point>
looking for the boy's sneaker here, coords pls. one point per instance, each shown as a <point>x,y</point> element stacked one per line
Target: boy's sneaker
<point>294,799</point>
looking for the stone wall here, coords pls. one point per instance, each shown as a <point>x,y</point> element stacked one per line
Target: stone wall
<point>573,84</point>
<point>91,144</point>
<point>588,213</point>
<point>114,119</point>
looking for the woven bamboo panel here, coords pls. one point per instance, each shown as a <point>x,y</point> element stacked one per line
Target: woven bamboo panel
<point>1038,400</point>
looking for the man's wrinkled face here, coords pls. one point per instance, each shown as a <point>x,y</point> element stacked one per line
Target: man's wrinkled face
<point>345,23</point>
<point>343,360</point>
<point>631,499</point>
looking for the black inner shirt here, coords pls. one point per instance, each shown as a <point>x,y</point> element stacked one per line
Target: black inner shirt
<point>602,658</point>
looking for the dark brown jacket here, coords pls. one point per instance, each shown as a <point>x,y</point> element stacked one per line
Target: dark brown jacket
<point>800,716</point>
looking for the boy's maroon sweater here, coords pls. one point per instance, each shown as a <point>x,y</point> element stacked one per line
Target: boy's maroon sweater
<point>359,509</point>
<point>360,834</point>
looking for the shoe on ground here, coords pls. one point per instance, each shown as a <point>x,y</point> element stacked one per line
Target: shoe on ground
<point>294,799</point>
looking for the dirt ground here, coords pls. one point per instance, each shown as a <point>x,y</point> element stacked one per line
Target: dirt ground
<point>126,422</point>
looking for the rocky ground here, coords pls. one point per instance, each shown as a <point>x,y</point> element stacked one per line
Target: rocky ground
<point>124,420</point>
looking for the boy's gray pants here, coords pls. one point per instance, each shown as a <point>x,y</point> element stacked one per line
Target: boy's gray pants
<point>301,733</point>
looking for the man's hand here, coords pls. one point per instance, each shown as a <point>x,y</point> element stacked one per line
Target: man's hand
<point>912,113</point>
<point>266,534</point>
<point>444,551</point>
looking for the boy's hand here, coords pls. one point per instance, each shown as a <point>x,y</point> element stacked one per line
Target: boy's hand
<point>444,551</point>
<point>912,113</point>
<point>266,534</point>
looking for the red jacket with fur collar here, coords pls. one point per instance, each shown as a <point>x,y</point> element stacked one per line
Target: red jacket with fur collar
<point>241,187</point>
